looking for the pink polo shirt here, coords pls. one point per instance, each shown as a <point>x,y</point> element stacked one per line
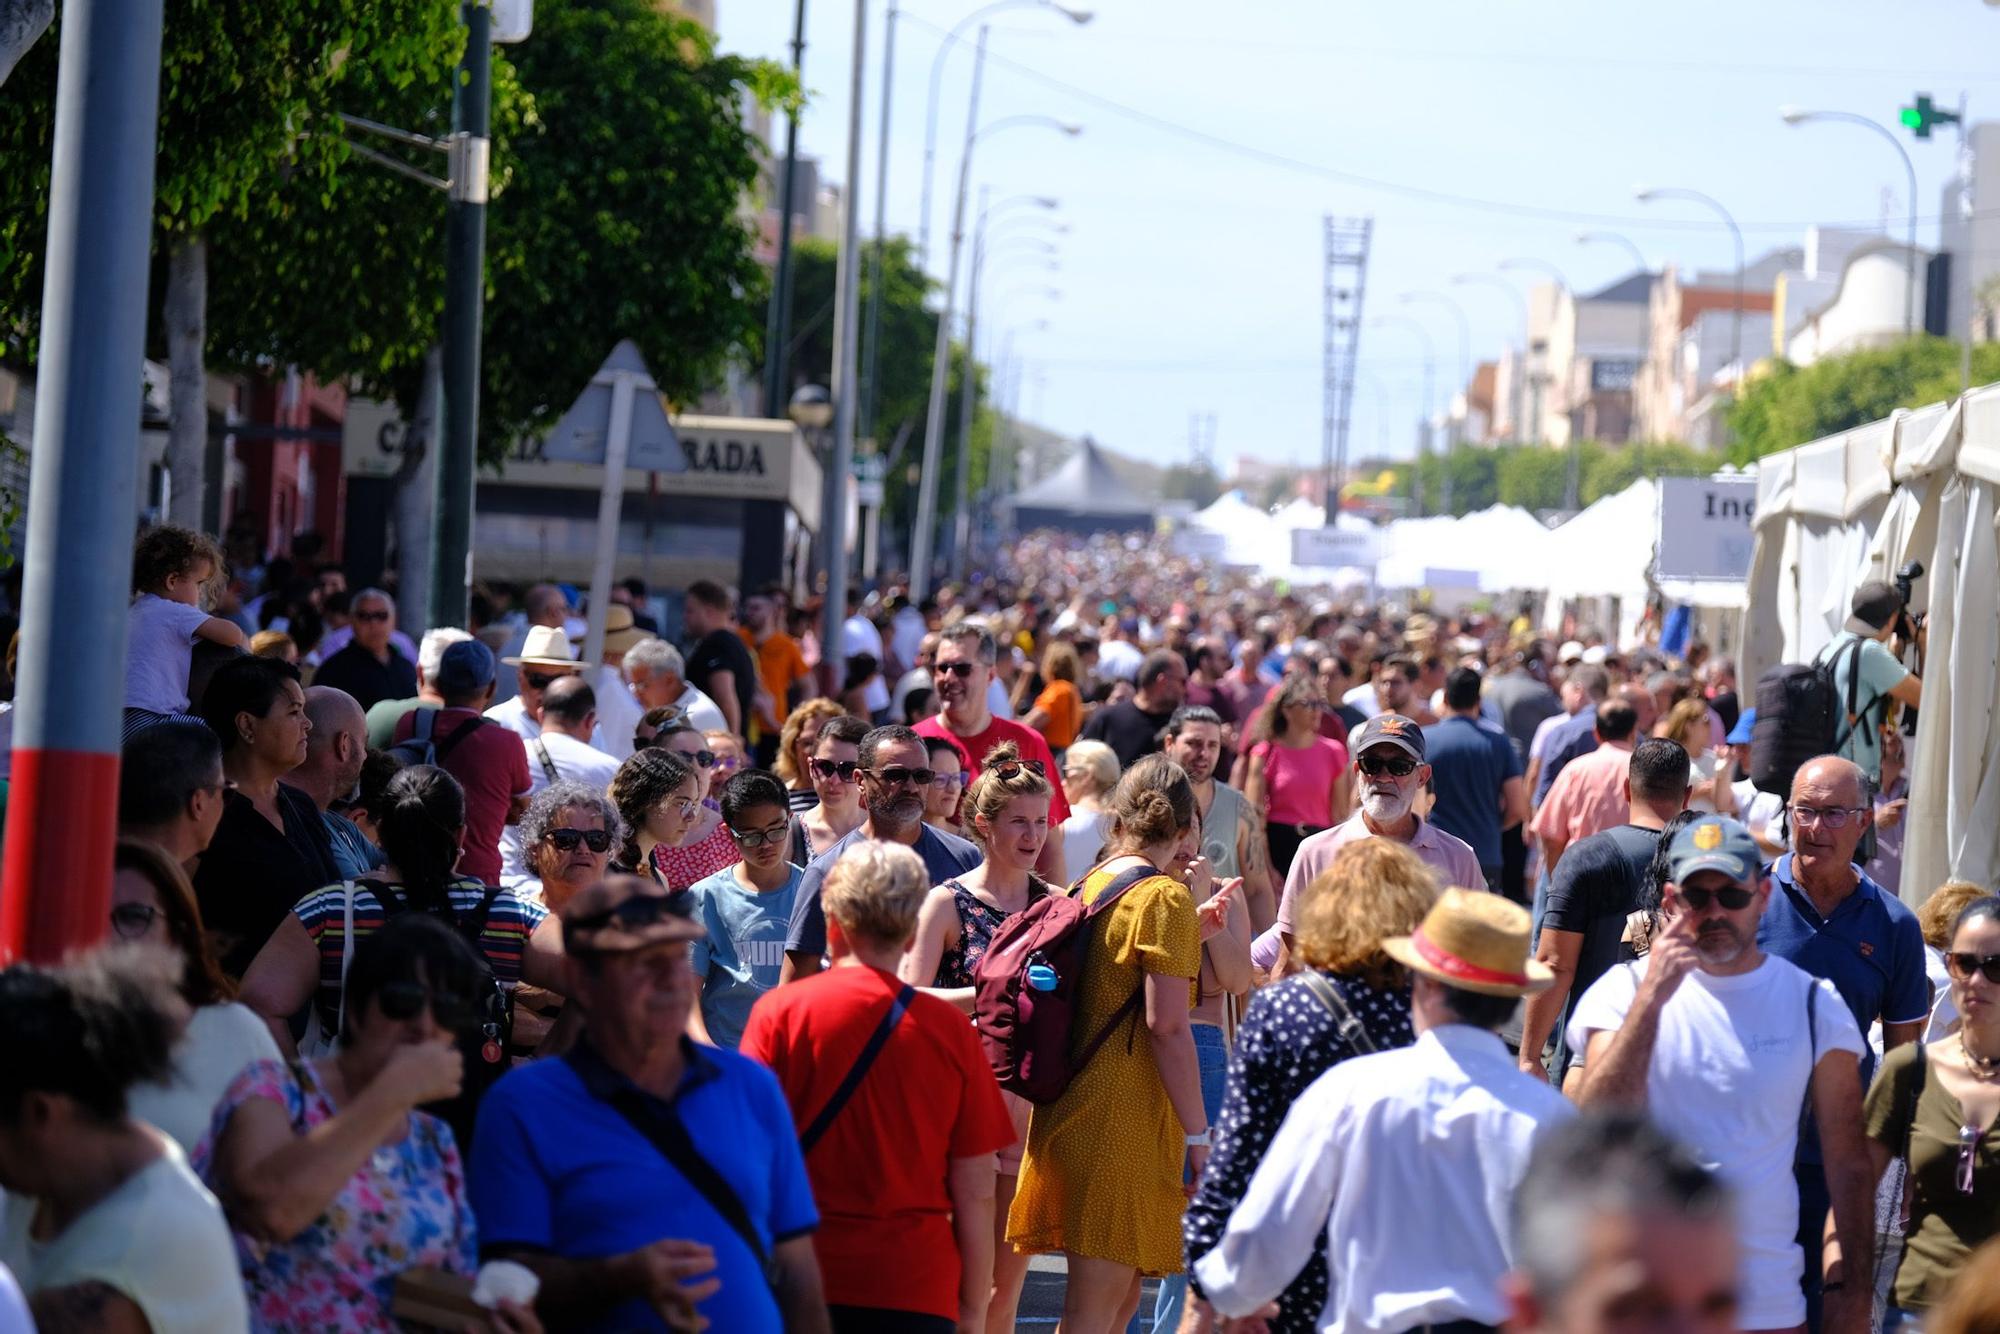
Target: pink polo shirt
<point>1588,796</point>
<point>1452,858</point>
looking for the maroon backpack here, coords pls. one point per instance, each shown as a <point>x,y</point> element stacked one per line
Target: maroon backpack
<point>1025,1023</point>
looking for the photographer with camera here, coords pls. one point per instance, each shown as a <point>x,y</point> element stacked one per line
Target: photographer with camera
<point>1878,619</point>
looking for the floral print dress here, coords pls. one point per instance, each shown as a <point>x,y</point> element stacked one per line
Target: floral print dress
<point>405,1209</point>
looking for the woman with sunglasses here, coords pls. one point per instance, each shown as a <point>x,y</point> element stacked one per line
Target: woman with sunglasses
<point>658,796</point>
<point>1089,774</point>
<point>796,747</point>
<point>706,847</point>
<point>1934,1105</point>
<point>729,761</point>
<point>152,903</point>
<point>746,908</point>
<point>569,831</point>
<point>835,771</point>
<point>1297,777</point>
<point>332,1179</point>
<point>1007,814</point>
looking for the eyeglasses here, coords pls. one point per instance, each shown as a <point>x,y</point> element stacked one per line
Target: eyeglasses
<point>728,764</point>
<point>1399,766</point>
<point>840,771</point>
<point>371,615</point>
<point>896,774</point>
<point>961,670</point>
<point>1011,770</point>
<point>684,805</point>
<point>1968,1150</point>
<point>947,777</point>
<point>401,1002</point>
<point>133,920</point>
<point>1833,817</point>
<point>565,840</point>
<point>705,758</point>
<point>1733,899</point>
<point>757,838</point>
<point>1963,965</point>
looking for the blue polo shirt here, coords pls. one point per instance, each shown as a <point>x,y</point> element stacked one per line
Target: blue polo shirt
<point>1572,738</point>
<point>556,1170</point>
<point>1871,949</point>
<point>1470,762</point>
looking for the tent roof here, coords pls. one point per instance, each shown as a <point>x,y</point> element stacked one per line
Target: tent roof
<point>1085,484</point>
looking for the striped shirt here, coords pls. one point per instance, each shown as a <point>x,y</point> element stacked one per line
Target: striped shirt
<point>323,913</point>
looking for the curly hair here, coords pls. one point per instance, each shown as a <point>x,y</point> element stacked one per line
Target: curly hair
<point>1271,722</point>
<point>167,550</point>
<point>640,784</point>
<point>558,797</point>
<point>1374,889</point>
<point>993,789</point>
<point>813,710</point>
<point>1939,915</point>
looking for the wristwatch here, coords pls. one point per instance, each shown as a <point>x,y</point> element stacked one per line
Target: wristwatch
<point>1205,1139</point>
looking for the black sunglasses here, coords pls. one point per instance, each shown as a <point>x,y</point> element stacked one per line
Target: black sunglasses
<point>133,920</point>
<point>844,770</point>
<point>1962,965</point>
<point>537,681</point>
<point>371,615</point>
<point>404,1001</point>
<point>896,774</point>
<point>1401,766</point>
<point>1732,899</point>
<point>1011,770</point>
<point>961,670</point>
<point>598,840</point>
<point>639,910</point>
<point>705,758</point>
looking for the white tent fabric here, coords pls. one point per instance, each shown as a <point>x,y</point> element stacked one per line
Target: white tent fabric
<point>1250,536</point>
<point>1606,550</point>
<point>1500,547</point>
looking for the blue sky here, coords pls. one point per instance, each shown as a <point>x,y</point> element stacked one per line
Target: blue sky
<point>1190,278</point>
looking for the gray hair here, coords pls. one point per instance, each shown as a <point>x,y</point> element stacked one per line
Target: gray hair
<point>1616,1164</point>
<point>558,797</point>
<point>379,594</point>
<point>655,657</point>
<point>430,650</point>
<point>985,648</point>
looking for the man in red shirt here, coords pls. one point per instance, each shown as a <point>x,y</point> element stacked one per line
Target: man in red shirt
<point>489,761</point>
<point>905,1186</point>
<point>966,653</point>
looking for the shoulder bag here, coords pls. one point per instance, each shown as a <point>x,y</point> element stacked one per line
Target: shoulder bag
<point>1346,1022</point>
<point>317,1041</point>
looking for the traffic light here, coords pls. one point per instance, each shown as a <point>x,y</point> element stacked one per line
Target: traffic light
<point>1921,117</point>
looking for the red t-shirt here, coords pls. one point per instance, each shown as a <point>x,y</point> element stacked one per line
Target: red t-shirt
<point>491,764</point>
<point>973,750</point>
<point>880,1172</point>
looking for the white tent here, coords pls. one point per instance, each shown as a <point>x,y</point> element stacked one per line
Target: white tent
<point>1832,514</point>
<point>1249,536</point>
<point>1493,549</point>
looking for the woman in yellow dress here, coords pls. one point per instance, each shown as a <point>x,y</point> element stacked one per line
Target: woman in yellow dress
<point>1105,1175</point>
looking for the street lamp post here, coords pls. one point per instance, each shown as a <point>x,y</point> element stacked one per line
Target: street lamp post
<point>778,325</point>
<point>961,540</point>
<point>1518,411</point>
<point>1464,377</point>
<point>846,325</point>
<point>1430,393</point>
<point>921,539</point>
<point>1799,116</point>
<point>872,337</point>
<point>1647,196</point>
<point>1643,344</point>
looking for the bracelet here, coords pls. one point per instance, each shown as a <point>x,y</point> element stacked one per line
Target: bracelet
<point>1203,1140</point>
<point>1834,1286</point>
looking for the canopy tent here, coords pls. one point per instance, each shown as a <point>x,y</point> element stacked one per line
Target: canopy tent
<point>1491,550</point>
<point>1084,495</point>
<point>1923,486</point>
<point>1250,537</point>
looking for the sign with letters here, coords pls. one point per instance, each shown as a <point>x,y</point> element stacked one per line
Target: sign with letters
<point>1707,527</point>
<point>1333,548</point>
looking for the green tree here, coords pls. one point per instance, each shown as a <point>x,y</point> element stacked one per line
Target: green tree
<point>1791,405</point>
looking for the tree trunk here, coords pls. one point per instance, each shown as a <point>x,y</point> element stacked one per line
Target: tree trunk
<point>185,313</point>
<point>416,500</point>
<point>21,23</point>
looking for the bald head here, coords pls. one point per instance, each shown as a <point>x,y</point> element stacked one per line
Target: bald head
<point>332,712</point>
<point>1830,778</point>
<point>545,605</point>
<point>336,748</point>
<point>569,706</point>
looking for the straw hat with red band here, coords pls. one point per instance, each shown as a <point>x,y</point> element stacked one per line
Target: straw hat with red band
<point>1473,940</point>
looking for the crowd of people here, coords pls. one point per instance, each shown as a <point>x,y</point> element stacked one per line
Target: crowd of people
<point>1341,967</point>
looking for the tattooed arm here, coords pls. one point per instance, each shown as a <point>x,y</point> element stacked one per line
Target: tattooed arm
<point>1260,886</point>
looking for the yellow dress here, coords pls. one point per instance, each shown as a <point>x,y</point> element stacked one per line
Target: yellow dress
<point>1102,1173</point>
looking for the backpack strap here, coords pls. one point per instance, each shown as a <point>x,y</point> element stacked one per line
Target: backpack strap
<point>1130,1009</point>
<point>1345,1021</point>
<point>549,770</point>
<point>426,721</point>
<point>877,1040</point>
<point>463,731</point>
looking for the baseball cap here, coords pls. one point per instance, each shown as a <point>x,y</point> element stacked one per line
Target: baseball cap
<point>626,912</point>
<point>1739,735</point>
<point>1714,843</point>
<point>1595,655</point>
<point>1571,651</point>
<point>1390,729</point>
<point>1875,605</point>
<point>466,666</point>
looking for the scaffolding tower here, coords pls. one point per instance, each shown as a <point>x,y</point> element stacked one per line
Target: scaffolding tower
<point>1345,279</point>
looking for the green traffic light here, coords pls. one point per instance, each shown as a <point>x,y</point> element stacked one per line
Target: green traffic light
<point>1912,118</point>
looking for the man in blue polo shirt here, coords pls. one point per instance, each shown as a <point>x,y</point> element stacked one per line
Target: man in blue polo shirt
<point>1828,917</point>
<point>646,1179</point>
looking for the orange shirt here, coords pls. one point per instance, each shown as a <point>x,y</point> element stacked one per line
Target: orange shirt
<point>1065,710</point>
<point>779,664</point>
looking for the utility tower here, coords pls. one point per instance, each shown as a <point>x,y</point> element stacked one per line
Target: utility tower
<point>1345,279</point>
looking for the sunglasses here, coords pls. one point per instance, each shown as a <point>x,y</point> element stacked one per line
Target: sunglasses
<point>896,774</point>
<point>1963,965</point>
<point>639,910</point>
<point>565,840</point>
<point>1968,1149</point>
<point>728,763</point>
<point>1011,770</point>
<point>403,1001</point>
<point>371,615</point>
<point>685,805</point>
<point>837,770</point>
<point>757,838</point>
<point>1733,899</point>
<point>133,920</point>
<point>962,670</point>
<point>541,681</point>
<point>705,758</point>
<point>1399,766</point>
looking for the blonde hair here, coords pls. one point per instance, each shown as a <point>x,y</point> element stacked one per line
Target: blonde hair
<point>1687,723</point>
<point>1374,889</point>
<point>813,710</point>
<point>990,793</point>
<point>1153,802</point>
<point>1060,663</point>
<point>873,892</point>
<point>1097,759</point>
<point>1940,911</point>
<point>273,644</point>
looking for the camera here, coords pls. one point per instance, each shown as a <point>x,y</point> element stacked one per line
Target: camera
<point>1909,574</point>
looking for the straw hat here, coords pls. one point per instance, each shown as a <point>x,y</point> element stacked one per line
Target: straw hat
<point>620,631</point>
<point>1475,941</point>
<point>546,647</point>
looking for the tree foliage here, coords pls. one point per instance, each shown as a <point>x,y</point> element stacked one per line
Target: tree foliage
<point>1791,405</point>
<point>1536,477</point>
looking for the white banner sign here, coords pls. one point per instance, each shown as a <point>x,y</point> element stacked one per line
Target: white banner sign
<point>1200,544</point>
<point>1332,548</point>
<point>1706,527</point>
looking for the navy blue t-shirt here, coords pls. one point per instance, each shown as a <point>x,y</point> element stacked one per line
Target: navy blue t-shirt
<point>1469,761</point>
<point>945,857</point>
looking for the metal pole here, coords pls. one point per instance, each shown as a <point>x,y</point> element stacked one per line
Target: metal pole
<point>464,297</point>
<point>927,481</point>
<point>1796,117</point>
<point>872,341</point>
<point>778,327</point>
<point>610,509</point>
<point>62,817</point>
<point>961,519</point>
<point>846,325</point>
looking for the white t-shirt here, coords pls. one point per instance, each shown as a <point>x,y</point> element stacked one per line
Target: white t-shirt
<point>1083,840</point>
<point>512,714</point>
<point>159,650</point>
<point>220,1040</point>
<point>997,700</point>
<point>1118,661</point>
<point>1729,1077</point>
<point>618,713</point>
<point>159,1240</point>
<point>1759,811</point>
<point>1362,697</point>
<point>574,762</point>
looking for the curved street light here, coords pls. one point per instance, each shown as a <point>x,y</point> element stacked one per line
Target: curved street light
<point>1618,239</point>
<point>1416,327</point>
<point>1799,116</point>
<point>1646,196</point>
<point>1518,410</point>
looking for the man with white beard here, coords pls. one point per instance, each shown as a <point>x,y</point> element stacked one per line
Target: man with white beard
<point>1390,772</point>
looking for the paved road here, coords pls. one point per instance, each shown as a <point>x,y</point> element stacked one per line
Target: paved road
<point>1041,1298</point>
